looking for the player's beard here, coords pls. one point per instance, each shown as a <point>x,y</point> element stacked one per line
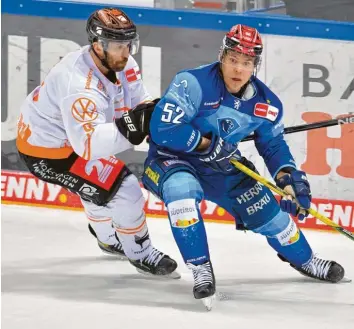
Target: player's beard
<point>118,66</point>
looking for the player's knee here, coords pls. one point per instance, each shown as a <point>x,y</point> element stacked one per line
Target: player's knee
<point>181,185</point>
<point>277,226</point>
<point>128,203</point>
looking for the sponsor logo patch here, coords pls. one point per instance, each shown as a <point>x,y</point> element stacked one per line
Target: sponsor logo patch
<point>153,175</point>
<point>213,104</point>
<point>183,213</point>
<point>88,189</point>
<point>133,74</point>
<point>266,111</point>
<point>290,235</point>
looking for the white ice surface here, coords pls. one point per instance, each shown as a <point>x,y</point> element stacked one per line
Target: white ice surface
<point>55,277</point>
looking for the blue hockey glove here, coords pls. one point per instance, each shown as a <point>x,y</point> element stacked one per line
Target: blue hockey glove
<point>296,184</point>
<point>219,154</point>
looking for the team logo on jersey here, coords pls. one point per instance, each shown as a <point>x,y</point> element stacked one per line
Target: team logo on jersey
<point>84,110</point>
<point>237,104</point>
<point>266,111</point>
<point>227,126</point>
<point>133,74</point>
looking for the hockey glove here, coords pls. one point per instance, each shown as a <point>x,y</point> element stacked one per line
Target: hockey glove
<point>134,124</point>
<point>219,154</point>
<point>296,184</point>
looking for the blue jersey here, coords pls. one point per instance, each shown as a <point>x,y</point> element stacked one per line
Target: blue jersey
<point>197,103</point>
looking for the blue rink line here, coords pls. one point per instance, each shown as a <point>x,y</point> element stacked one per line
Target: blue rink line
<point>188,19</point>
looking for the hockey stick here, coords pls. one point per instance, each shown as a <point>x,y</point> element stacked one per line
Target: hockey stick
<point>309,126</point>
<point>281,192</point>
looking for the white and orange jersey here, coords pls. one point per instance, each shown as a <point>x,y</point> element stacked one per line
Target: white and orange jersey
<point>75,107</point>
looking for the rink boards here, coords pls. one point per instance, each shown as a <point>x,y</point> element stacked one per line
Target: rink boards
<point>25,189</point>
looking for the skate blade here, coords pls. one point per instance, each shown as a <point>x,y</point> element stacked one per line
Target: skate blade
<point>208,302</point>
<point>174,275</point>
<point>345,280</point>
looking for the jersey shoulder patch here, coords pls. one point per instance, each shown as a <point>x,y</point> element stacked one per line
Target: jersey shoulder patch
<point>132,71</point>
<point>269,105</point>
<point>266,111</point>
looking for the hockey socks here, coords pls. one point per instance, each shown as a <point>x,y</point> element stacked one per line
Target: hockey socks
<point>189,231</point>
<point>285,237</point>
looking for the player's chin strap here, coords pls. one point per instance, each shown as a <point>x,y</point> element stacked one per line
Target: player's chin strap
<point>104,62</point>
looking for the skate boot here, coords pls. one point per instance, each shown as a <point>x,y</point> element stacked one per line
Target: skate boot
<point>204,283</point>
<point>114,250</point>
<point>156,263</point>
<point>320,269</point>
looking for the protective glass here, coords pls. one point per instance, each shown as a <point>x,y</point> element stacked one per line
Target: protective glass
<point>117,48</point>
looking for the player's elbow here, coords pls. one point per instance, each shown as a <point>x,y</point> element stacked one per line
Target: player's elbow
<point>161,137</point>
<point>154,133</point>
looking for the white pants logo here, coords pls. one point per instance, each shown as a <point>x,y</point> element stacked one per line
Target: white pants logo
<point>103,170</point>
<point>88,189</point>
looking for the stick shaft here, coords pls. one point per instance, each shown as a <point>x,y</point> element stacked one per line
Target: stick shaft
<point>310,126</point>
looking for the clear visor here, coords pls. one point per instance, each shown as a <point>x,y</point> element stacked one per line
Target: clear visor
<point>119,48</point>
<point>237,60</point>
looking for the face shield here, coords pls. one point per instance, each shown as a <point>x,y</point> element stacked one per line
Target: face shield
<point>118,48</point>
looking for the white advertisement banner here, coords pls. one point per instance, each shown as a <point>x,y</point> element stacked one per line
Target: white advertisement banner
<point>314,78</point>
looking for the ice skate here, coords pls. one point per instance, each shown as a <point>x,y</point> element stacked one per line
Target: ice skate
<point>113,250</point>
<point>157,264</point>
<point>321,269</point>
<point>204,283</point>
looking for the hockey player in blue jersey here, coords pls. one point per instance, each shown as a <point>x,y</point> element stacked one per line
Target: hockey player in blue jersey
<point>195,129</point>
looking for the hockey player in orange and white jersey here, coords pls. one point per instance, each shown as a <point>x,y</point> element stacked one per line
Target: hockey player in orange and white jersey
<point>71,126</point>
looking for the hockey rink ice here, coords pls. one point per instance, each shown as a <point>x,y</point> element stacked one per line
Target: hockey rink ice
<point>55,277</point>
